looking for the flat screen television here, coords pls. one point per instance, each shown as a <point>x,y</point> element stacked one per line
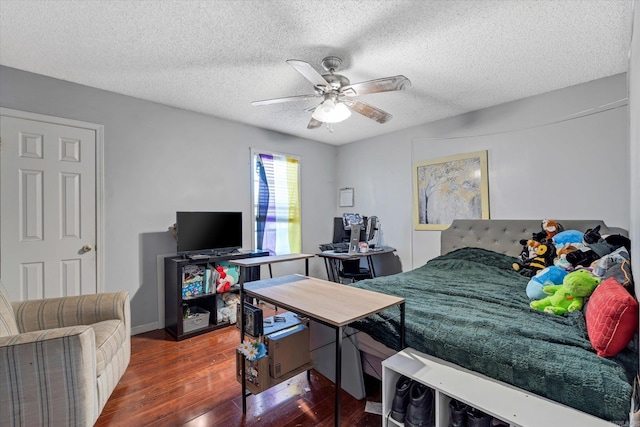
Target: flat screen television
<point>208,231</point>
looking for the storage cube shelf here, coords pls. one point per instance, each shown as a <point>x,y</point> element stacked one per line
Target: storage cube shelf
<point>501,400</point>
<point>187,282</point>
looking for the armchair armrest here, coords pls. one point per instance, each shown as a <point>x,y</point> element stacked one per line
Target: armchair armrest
<point>49,377</point>
<point>37,315</point>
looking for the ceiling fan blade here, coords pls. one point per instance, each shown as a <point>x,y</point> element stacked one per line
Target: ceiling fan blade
<point>313,124</point>
<point>285,99</point>
<point>368,110</point>
<point>308,72</point>
<point>385,84</point>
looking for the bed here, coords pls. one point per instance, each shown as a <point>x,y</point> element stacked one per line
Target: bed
<point>480,320</point>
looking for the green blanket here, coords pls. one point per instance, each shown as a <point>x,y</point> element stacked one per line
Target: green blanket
<point>470,307</point>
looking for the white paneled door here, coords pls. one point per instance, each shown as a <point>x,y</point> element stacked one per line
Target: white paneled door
<point>47,209</point>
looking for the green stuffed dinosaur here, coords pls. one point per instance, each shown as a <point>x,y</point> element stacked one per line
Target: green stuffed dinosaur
<point>569,296</point>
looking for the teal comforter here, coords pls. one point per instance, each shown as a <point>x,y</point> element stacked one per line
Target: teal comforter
<point>470,307</point>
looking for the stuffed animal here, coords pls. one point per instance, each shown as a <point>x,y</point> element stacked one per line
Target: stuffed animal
<point>545,254</point>
<point>570,295</point>
<point>561,257</point>
<point>225,281</point>
<point>551,228</point>
<point>596,247</point>
<point>227,313</point>
<point>548,276</point>
<point>528,250</point>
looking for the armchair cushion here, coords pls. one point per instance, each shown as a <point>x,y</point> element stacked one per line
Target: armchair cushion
<point>7,318</point>
<point>110,337</point>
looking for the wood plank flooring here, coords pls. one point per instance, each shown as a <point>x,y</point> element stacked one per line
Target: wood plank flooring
<point>192,383</point>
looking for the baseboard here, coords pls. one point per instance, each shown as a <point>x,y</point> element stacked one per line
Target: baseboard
<point>135,330</point>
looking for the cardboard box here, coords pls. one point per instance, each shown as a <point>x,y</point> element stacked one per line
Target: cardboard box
<point>287,349</point>
<point>256,373</point>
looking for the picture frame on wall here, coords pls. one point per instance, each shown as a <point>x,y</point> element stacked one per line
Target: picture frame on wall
<point>345,197</point>
<point>448,188</point>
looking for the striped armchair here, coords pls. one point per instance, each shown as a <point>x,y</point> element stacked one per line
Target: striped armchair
<point>61,358</point>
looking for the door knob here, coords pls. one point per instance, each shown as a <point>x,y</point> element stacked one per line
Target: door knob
<point>87,248</point>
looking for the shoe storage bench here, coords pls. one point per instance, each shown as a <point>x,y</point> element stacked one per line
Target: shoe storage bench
<point>501,400</point>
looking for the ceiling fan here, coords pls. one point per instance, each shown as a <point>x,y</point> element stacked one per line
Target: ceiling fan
<point>338,94</point>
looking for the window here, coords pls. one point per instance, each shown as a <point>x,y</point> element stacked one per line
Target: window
<point>276,203</point>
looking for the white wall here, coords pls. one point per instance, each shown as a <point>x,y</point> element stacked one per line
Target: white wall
<point>634,139</point>
<point>159,160</point>
<point>573,169</point>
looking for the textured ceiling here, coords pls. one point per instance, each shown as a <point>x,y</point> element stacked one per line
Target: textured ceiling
<point>215,57</point>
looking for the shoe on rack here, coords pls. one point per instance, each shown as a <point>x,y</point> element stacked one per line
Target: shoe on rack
<point>457,413</point>
<point>477,418</point>
<point>401,399</point>
<point>421,411</point>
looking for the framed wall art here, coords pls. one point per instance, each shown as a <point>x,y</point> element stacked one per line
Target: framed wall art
<point>449,188</point>
<point>345,197</point>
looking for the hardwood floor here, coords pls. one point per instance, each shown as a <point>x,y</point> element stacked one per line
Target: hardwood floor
<point>192,383</point>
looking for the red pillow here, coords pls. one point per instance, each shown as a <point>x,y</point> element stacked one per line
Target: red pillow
<point>612,318</point>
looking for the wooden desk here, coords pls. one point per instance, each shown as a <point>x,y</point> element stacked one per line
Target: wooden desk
<point>326,302</point>
<point>333,260</point>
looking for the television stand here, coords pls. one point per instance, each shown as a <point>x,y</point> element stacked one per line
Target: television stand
<point>178,271</point>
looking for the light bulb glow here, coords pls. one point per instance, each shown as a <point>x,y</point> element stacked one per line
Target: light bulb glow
<point>331,112</point>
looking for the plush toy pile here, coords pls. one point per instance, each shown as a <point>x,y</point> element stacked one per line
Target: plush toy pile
<point>565,266</point>
<point>539,251</point>
<point>589,271</point>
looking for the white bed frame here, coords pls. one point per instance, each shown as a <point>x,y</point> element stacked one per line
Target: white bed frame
<point>508,403</point>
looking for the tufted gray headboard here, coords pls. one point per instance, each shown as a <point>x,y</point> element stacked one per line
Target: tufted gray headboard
<point>503,235</point>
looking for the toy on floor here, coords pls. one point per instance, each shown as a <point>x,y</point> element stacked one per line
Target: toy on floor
<point>569,296</point>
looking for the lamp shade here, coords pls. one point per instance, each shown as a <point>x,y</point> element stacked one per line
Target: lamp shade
<point>331,112</point>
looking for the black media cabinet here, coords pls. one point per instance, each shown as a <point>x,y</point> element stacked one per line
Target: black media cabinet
<point>174,301</point>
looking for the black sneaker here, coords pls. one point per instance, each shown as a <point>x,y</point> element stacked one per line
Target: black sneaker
<point>477,418</point>
<point>401,399</point>
<point>457,413</point>
<point>420,412</point>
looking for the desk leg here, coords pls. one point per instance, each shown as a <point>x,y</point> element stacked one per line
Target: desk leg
<point>338,379</point>
<point>242,273</point>
<point>402,337</point>
<point>332,270</point>
<point>372,270</point>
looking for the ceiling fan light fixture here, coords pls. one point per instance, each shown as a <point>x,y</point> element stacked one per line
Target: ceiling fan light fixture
<point>331,112</point>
